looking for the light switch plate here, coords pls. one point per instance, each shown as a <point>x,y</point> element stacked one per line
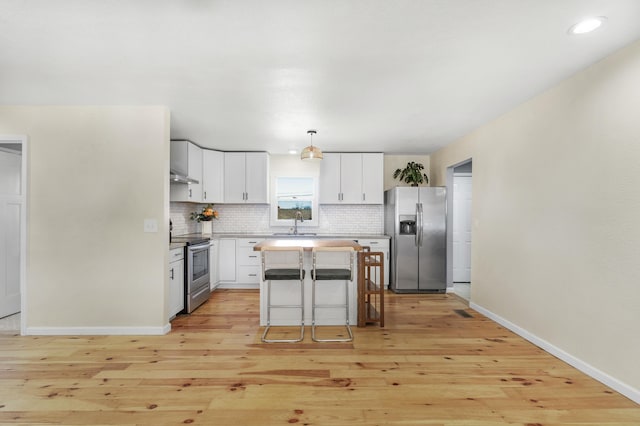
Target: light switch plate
<point>150,225</point>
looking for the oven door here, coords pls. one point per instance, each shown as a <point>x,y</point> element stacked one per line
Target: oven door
<point>197,267</point>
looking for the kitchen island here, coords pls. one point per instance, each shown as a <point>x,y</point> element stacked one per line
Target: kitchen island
<point>328,291</point>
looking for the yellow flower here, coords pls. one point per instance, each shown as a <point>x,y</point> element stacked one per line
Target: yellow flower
<point>207,214</point>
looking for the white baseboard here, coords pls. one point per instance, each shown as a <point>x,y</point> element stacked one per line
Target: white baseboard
<point>615,384</point>
<point>241,286</point>
<point>97,331</point>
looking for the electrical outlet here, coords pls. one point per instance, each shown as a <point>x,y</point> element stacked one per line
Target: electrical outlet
<point>150,225</point>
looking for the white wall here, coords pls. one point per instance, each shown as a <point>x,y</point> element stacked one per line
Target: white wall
<point>94,175</point>
<point>556,241</point>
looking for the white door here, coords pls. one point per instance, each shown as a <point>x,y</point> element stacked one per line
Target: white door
<point>372,178</point>
<point>462,228</point>
<point>330,179</point>
<point>212,176</point>
<point>11,206</point>
<point>234,176</point>
<point>257,177</point>
<point>351,178</point>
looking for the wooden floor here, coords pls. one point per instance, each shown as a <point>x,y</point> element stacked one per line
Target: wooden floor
<point>430,365</point>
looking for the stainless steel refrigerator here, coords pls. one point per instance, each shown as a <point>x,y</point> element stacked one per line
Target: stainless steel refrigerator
<point>415,218</point>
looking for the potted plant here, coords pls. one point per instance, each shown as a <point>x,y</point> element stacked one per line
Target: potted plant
<point>412,174</point>
<point>205,216</point>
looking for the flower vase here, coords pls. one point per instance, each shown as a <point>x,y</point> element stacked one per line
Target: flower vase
<point>206,227</point>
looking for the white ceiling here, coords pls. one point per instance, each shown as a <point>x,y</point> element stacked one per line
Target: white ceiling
<point>399,76</point>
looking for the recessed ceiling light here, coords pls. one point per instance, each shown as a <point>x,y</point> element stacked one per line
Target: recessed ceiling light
<point>587,25</point>
<point>293,151</point>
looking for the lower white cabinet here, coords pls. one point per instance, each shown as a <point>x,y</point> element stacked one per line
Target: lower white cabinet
<point>226,260</point>
<point>239,264</point>
<point>214,276</point>
<point>248,261</point>
<point>176,281</point>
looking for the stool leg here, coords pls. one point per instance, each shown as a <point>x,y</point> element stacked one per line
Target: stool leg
<point>313,317</point>
<point>313,309</point>
<point>301,309</point>
<point>346,297</point>
<point>266,330</point>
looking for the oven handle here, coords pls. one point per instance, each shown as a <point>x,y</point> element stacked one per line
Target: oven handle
<point>198,247</point>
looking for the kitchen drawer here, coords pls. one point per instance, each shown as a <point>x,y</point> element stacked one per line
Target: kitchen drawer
<point>249,242</point>
<point>176,254</point>
<point>248,274</point>
<point>376,245</point>
<point>247,256</point>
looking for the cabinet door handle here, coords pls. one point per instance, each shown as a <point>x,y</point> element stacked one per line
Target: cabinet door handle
<point>253,275</point>
<point>373,242</point>
<point>254,256</point>
<point>171,273</point>
<point>364,197</point>
<point>204,195</point>
<point>190,193</point>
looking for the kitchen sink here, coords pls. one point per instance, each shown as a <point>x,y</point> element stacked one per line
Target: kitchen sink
<point>299,234</point>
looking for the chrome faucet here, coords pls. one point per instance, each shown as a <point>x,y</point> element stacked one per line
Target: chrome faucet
<point>295,222</point>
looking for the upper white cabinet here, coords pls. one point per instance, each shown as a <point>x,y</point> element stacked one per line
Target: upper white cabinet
<point>212,176</point>
<point>352,178</point>
<point>372,178</point>
<point>246,177</point>
<point>186,159</point>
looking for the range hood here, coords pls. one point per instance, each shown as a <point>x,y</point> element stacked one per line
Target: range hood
<point>176,177</point>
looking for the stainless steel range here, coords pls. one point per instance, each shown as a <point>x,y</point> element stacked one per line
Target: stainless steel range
<point>197,271</point>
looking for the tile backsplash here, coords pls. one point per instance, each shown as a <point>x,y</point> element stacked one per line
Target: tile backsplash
<point>254,218</point>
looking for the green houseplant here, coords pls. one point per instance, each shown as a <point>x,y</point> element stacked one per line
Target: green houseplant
<point>412,174</point>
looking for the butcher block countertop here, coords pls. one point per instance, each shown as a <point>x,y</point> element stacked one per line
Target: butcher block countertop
<point>307,245</point>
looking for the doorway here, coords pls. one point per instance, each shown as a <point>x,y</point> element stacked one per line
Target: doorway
<point>12,229</point>
<point>459,178</point>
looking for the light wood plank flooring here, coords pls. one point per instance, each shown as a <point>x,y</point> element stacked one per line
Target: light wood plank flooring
<point>428,366</point>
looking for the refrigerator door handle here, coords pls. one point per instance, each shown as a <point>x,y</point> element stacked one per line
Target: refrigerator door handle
<point>417,236</point>
<point>420,223</point>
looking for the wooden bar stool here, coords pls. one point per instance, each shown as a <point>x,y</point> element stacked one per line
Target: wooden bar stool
<point>283,264</point>
<point>331,264</point>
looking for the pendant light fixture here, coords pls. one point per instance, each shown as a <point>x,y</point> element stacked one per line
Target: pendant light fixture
<point>311,152</point>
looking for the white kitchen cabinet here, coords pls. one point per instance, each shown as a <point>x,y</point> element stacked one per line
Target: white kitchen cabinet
<point>329,191</point>
<point>176,281</point>
<point>227,260</point>
<point>212,176</point>
<point>246,177</point>
<point>186,159</point>
<point>372,178</point>
<point>239,264</point>
<point>248,261</point>
<point>214,277</point>
<point>352,178</point>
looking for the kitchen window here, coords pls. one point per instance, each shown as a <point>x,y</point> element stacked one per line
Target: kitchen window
<point>295,194</point>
